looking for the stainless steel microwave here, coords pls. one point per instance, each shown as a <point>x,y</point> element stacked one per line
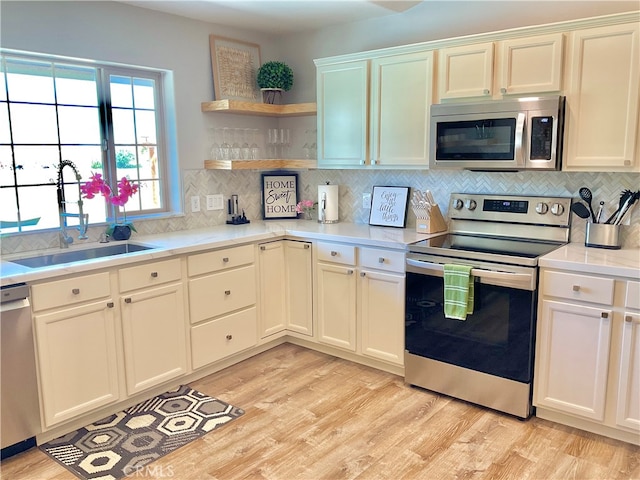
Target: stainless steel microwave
<point>515,134</point>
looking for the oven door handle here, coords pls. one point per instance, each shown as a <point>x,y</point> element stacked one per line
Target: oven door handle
<point>511,279</point>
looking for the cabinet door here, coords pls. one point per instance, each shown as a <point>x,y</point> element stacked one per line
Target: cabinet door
<point>77,360</point>
<point>299,282</point>
<point>602,100</point>
<point>530,65</point>
<point>337,306</point>
<point>343,99</point>
<point>382,315</point>
<point>573,358</point>
<point>628,409</point>
<point>401,93</point>
<point>153,328</point>
<point>273,310</point>
<point>465,71</point>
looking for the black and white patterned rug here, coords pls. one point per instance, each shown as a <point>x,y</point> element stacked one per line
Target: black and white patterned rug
<point>124,443</point>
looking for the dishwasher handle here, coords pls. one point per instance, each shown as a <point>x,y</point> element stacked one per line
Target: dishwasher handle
<point>6,307</point>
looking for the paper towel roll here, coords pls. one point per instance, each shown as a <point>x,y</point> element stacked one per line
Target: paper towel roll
<point>328,203</point>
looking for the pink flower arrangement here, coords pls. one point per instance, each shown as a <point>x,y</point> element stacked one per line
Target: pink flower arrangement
<point>97,186</point>
<point>306,207</point>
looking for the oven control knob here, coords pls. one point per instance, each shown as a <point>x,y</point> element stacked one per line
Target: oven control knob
<point>457,204</point>
<point>557,209</point>
<point>470,204</point>
<point>542,208</point>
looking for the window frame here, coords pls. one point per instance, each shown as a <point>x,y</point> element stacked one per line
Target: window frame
<point>165,134</point>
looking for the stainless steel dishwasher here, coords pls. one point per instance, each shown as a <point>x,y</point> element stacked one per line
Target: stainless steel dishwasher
<point>19,407</point>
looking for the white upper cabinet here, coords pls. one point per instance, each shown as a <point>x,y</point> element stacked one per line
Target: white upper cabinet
<point>465,71</point>
<point>602,99</point>
<point>375,112</point>
<point>343,114</point>
<point>530,65</point>
<point>515,66</point>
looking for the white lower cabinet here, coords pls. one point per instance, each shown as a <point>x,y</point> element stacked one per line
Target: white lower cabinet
<point>587,368</point>
<point>222,303</point>
<point>76,346</point>
<point>361,303</point>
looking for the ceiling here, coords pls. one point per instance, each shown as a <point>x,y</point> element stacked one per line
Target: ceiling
<point>277,16</point>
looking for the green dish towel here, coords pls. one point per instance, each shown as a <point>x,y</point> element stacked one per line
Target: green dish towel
<point>458,291</point>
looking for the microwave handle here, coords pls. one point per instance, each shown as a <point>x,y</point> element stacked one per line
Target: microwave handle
<point>519,154</point>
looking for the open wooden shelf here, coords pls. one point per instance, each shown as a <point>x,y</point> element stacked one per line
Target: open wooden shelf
<point>260,109</point>
<point>258,164</point>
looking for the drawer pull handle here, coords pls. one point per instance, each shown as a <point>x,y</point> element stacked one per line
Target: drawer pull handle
<point>229,337</point>
<point>154,274</point>
<point>604,315</point>
<point>576,288</point>
<point>381,260</point>
<point>227,292</point>
<point>127,300</point>
<point>225,259</point>
<point>110,304</point>
<point>334,253</point>
<point>75,291</point>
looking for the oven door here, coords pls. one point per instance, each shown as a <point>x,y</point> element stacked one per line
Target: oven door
<point>496,339</point>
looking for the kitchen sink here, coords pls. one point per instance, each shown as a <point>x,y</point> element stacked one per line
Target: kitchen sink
<point>71,256</point>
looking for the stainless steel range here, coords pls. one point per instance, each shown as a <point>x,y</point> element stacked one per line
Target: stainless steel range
<point>487,358</point>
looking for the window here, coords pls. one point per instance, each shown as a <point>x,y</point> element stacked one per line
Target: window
<point>103,119</point>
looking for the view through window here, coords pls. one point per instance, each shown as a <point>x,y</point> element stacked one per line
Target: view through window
<point>103,119</point>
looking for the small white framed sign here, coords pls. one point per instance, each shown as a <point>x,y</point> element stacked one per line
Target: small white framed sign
<point>389,206</point>
<point>279,195</point>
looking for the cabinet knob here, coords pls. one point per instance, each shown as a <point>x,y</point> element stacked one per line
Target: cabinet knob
<point>604,315</point>
<point>229,337</point>
<point>154,274</point>
<point>486,91</point>
<point>381,260</point>
<point>307,246</point>
<point>350,272</point>
<point>227,292</point>
<point>362,274</point>
<point>75,291</point>
<point>334,253</point>
<point>110,305</point>
<point>127,300</point>
<point>576,288</point>
<point>503,90</point>
<point>225,259</point>
<point>263,248</point>
<point>630,319</point>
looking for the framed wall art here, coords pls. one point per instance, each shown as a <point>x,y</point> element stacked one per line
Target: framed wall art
<point>279,195</point>
<point>389,206</point>
<point>235,65</point>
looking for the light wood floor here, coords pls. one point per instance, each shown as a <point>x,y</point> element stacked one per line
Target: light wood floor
<point>312,416</point>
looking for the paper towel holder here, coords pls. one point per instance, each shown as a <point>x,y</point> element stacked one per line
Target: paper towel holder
<point>323,207</point>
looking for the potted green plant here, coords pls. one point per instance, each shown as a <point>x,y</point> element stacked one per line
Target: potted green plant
<point>273,79</point>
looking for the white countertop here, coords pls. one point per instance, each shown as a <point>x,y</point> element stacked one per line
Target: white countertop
<point>578,258</point>
<point>189,241</point>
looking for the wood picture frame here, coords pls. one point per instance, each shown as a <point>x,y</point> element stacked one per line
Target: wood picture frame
<point>389,206</point>
<point>235,67</point>
<point>279,195</point>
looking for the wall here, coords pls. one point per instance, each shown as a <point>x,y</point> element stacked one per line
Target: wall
<point>145,37</point>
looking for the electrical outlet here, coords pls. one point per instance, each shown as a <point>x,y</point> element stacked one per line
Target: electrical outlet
<point>215,202</point>
<point>366,201</point>
<point>195,204</point>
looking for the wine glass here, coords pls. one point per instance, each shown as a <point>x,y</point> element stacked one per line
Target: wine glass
<point>255,150</point>
<point>226,146</point>
<point>246,148</point>
<point>306,147</point>
<point>236,150</point>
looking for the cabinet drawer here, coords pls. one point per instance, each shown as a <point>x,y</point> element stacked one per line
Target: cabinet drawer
<point>632,299</point>
<point>335,253</point>
<point>223,337</point>
<point>221,293</point>
<point>217,260</point>
<point>380,259</point>
<point>578,287</point>
<point>149,274</point>
<point>71,291</point>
